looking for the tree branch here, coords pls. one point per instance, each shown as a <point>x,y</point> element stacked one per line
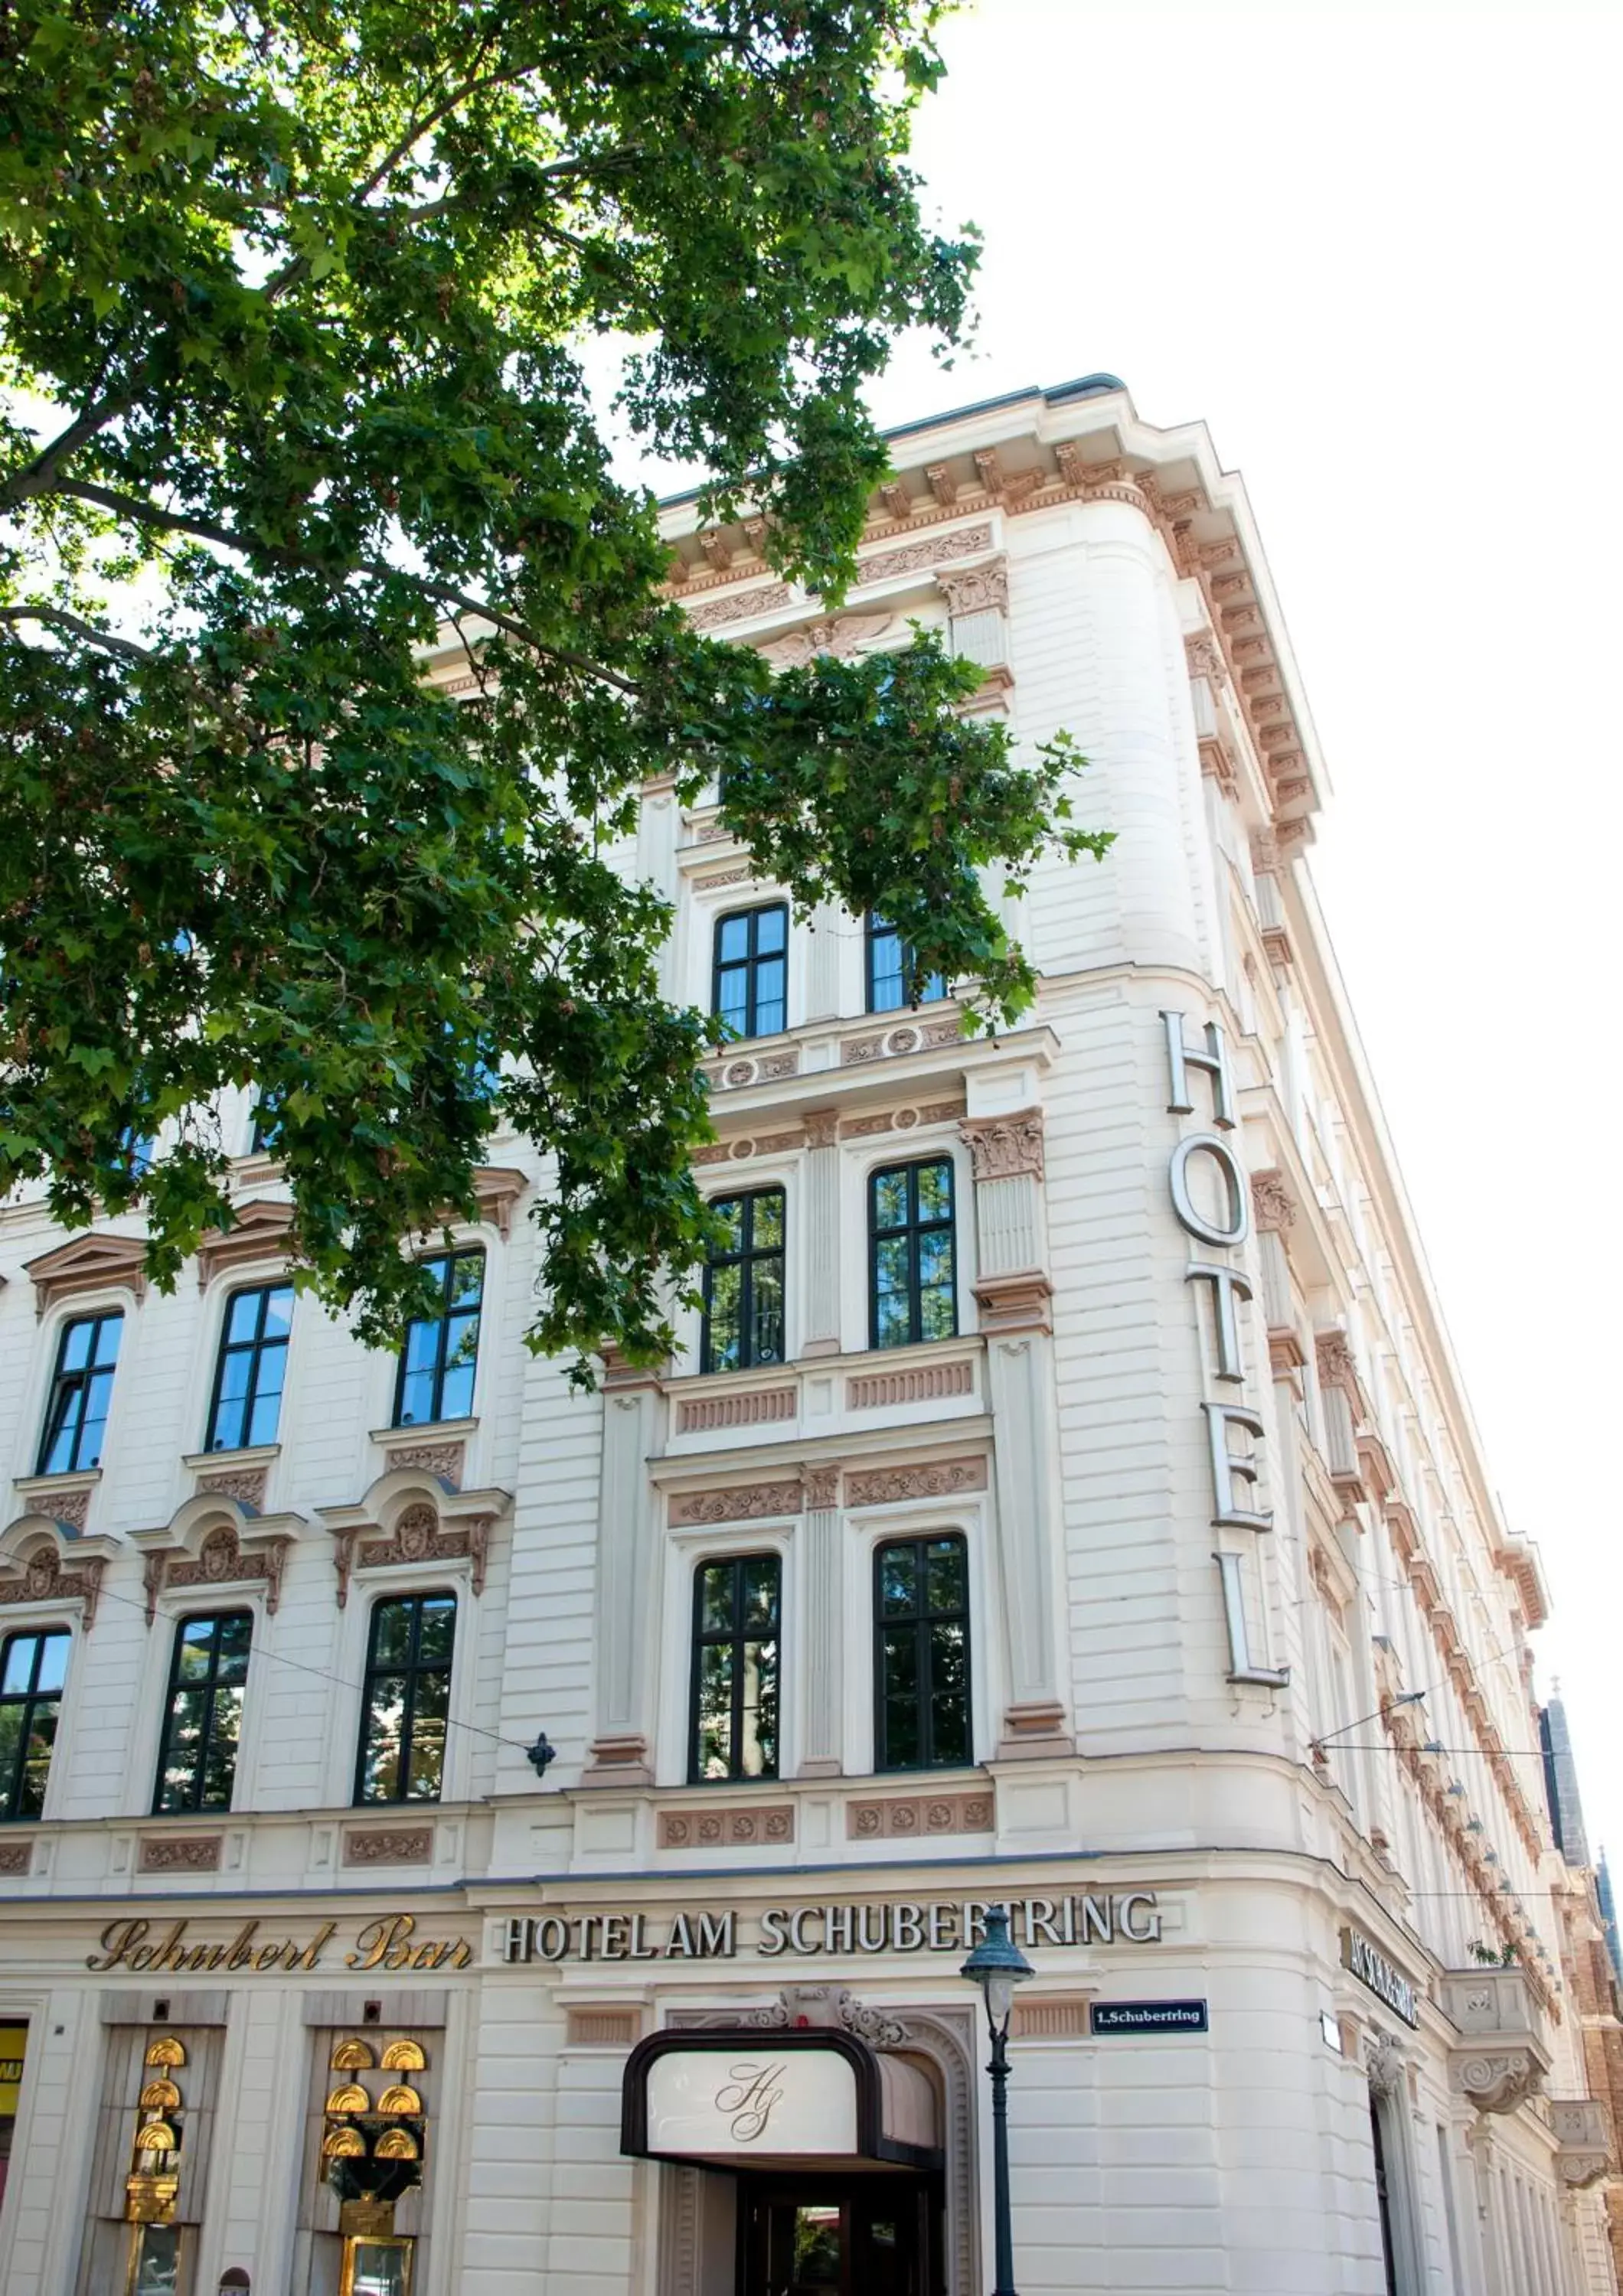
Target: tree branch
<point>59,617</point>
<point>36,475</point>
<point>145,513</point>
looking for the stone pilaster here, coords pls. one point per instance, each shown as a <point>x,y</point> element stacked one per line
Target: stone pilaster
<point>1014,1293</point>
<point>821,1197</point>
<point>628,1582</point>
<point>822,1606</point>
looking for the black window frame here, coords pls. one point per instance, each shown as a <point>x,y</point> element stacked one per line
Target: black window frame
<point>921,1620</point>
<point>736,1636</point>
<point>30,1700</point>
<point>211,1685</point>
<point>448,1260</point>
<point>746,1259</point>
<point>936,990</point>
<point>749,964</point>
<point>257,1348</point>
<point>267,1132</point>
<point>413,1668</point>
<point>913,1227</point>
<point>79,1382</point>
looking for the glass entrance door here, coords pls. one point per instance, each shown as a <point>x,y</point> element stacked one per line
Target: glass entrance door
<point>870,2236</point>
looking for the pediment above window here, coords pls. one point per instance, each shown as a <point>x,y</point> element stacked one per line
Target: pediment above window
<point>260,1233</point>
<point>88,1263</point>
<point>498,1187</point>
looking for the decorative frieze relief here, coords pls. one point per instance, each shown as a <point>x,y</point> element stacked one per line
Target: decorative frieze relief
<point>63,1499</point>
<point>181,1853</point>
<point>910,1036</point>
<point>245,1485</point>
<point>738,1151</point>
<point>16,1858</point>
<point>43,1579</point>
<point>766,1068</point>
<point>399,1845</point>
<point>1003,1146</point>
<point>890,1486</point>
<point>765,598</point>
<point>444,1461</point>
<point>418,1537</point>
<point>747,1504</point>
<point>726,1827</point>
<point>219,1562</point>
<point>909,1817</point>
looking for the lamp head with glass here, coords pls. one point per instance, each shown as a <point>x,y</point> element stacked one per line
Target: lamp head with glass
<point>997,1965</point>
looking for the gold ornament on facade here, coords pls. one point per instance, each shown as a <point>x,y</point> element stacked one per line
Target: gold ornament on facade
<point>401,2099</point>
<point>160,2096</point>
<point>343,2145</point>
<point>350,2098</point>
<point>167,2052</point>
<point>397,2144</point>
<point>352,2056</point>
<point>404,2057</point>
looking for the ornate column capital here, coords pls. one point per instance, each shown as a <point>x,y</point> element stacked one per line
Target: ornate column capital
<point>1001,1147</point>
<point>975,589</point>
<point>1272,1205</point>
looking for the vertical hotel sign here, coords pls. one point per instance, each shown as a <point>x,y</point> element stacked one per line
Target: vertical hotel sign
<point>1234,1473</point>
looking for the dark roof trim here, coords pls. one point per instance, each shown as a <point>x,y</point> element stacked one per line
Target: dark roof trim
<point>1085,386</point>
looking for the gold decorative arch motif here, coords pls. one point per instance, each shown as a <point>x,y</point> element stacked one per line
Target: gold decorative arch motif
<point>169,2050</point>
<point>350,2097</point>
<point>344,2144</point>
<point>396,2145</point>
<point>401,2098</point>
<point>160,2096</point>
<point>157,2137</point>
<point>353,2057</point>
<point>404,2057</point>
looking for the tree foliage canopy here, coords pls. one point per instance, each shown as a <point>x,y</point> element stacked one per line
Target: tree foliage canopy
<point>303,289</point>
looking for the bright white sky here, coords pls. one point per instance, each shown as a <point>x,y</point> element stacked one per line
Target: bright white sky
<point>1377,249</point>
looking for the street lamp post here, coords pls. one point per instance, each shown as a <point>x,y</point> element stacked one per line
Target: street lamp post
<point>997,1965</point>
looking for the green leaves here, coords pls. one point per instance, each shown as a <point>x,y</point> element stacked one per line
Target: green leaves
<point>300,290</point>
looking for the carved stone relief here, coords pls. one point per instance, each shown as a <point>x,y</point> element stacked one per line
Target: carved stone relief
<point>43,1579</point>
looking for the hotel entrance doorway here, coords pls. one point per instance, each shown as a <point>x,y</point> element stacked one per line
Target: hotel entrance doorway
<point>870,2235</point>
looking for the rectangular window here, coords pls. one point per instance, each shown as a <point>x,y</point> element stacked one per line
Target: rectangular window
<point>743,1284</point>
<point>889,958</point>
<point>252,1368</point>
<point>33,1669</point>
<point>913,1291</point>
<point>735,1669</point>
<point>750,986</point>
<point>407,1700</point>
<point>921,1626</point>
<point>442,1351</point>
<point>266,1126</point>
<point>75,1417</point>
<point>203,1721</point>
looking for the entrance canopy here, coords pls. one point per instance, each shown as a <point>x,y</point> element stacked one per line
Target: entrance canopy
<point>748,2099</point>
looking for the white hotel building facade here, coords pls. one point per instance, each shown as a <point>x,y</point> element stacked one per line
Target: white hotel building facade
<point>1069,1502</point>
